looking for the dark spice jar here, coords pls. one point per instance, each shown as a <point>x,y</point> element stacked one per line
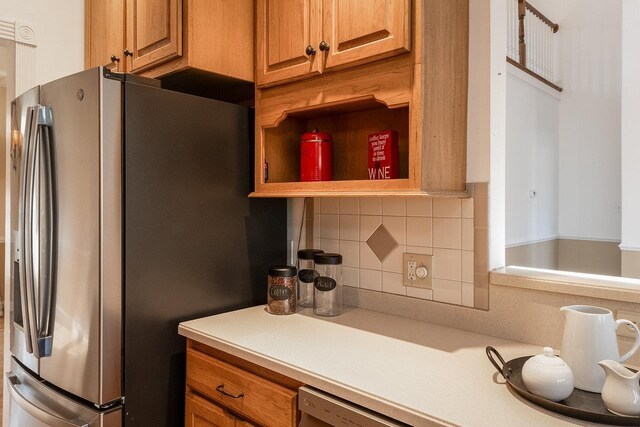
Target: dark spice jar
<point>316,156</point>
<point>281,293</point>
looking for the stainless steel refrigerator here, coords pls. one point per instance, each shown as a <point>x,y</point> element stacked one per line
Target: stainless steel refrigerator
<point>129,214</point>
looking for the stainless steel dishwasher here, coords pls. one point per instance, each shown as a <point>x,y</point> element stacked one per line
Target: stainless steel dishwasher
<point>320,409</point>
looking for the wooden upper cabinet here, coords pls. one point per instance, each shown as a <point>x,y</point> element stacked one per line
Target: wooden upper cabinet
<point>104,33</point>
<point>154,32</point>
<point>287,38</point>
<point>359,31</point>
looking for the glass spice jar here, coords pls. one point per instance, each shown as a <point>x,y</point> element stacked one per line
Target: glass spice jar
<point>306,274</point>
<point>281,294</point>
<point>327,299</point>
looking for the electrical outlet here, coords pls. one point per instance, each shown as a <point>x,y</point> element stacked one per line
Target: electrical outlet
<point>418,270</point>
<point>624,330</point>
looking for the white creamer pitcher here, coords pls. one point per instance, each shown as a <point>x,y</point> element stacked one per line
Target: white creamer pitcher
<point>621,391</point>
<point>590,337</point>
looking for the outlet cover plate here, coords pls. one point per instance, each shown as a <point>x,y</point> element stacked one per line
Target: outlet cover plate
<point>624,330</point>
<point>410,263</point>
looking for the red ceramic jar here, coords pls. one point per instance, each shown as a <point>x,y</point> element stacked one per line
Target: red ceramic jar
<point>316,156</point>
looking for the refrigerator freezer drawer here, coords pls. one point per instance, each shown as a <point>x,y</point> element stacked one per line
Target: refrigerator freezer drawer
<point>34,404</point>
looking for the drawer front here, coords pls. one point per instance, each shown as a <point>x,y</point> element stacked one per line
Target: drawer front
<point>200,413</point>
<point>253,397</point>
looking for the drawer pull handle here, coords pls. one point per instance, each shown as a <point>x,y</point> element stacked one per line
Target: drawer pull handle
<point>221,390</point>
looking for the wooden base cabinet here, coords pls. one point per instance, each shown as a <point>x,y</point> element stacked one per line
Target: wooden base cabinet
<point>420,93</point>
<point>226,391</point>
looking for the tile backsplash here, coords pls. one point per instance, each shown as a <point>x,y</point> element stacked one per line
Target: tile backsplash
<point>373,233</point>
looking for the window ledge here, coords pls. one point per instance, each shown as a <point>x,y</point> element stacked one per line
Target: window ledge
<point>587,285</point>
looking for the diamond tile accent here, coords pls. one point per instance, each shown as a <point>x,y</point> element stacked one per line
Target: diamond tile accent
<point>382,242</point>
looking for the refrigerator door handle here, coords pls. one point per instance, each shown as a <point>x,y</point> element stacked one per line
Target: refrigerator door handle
<point>28,404</point>
<point>24,223</point>
<point>47,253</point>
<point>39,187</point>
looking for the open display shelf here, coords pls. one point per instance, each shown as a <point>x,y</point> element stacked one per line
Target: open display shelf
<point>350,129</point>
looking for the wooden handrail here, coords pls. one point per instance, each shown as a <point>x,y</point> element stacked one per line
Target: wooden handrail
<point>555,27</point>
<point>533,74</point>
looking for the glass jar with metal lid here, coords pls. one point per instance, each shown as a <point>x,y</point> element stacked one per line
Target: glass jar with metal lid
<point>306,274</point>
<point>282,295</point>
<point>328,285</point>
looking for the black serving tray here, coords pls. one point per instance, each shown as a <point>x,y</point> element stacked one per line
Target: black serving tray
<point>580,404</point>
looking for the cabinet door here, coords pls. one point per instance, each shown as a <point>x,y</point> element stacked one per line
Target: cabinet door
<point>361,31</point>
<point>154,32</point>
<point>285,28</point>
<point>104,34</point>
<point>201,413</point>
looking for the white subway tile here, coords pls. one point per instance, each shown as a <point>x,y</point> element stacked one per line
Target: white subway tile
<point>370,206</point>
<point>370,279</point>
<point>350,205</point>
<point>419,206</point>
<point>350,227</point>
<point>393,206</point>
<point>447,291</point>
<point>329,245</point>
<point>467,234</point>
<point>447,208</point>
<point>350,252</point>
<point>329,226</point>
<point>419,231</point>
<point>467,294</point>
<point>392,283</point>
<point>447,264</point>
<point>447,233</point>
<point>316,226</point>
<point>329,205</point>
<point>467,208</point>
<point>467,266</point>
<point>351,276</point>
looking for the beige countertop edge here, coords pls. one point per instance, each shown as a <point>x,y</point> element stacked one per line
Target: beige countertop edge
<point>610,288</point>
<point>390,409</point>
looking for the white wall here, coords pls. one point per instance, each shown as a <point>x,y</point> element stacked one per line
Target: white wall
<point>589,70</point>
<point>59,26</point>
<point>630,125</point>
<point>478,122</point>
<point>532,150</point>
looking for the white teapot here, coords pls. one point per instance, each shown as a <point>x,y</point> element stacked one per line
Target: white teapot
<point>590,337</point>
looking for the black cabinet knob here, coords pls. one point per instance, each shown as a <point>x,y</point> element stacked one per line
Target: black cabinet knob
<point>127,52</point>
<point>324,47</point>
<point>310,51</point>
<point>115,58</point>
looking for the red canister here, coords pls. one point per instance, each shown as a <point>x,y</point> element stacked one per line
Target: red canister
<point>316,156</point>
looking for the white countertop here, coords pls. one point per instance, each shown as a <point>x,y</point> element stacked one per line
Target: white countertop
<point>416,372</point>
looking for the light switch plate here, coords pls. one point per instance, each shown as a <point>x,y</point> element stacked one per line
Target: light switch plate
<point>413,266</point>
<point>624,330</point>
